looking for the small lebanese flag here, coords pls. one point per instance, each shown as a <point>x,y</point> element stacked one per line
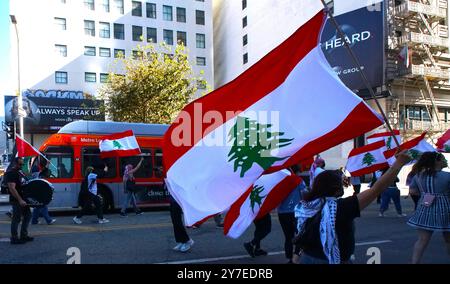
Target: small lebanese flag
<point>119,145</point>
<point>387,137</point>
<point>24,149</point>
<point>367,159</point>
<point>443,143</point>
<point>260,199</point>
<point>416,146</point>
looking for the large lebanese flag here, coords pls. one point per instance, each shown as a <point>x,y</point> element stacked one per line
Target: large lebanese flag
<point>260,199</point>
<point>212,160</point>
<point>367,159</point>
<point>416,146</point>
<point>387,137</point>
<point>443,143</point>
<point>122,144</point>
<point>24,149</point>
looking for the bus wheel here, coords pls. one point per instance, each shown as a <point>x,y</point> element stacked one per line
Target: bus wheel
<point>106,197</point>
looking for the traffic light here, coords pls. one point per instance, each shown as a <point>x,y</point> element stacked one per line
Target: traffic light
<point>9,128</point>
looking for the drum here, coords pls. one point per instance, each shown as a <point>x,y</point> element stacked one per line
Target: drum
<point>38,192</point>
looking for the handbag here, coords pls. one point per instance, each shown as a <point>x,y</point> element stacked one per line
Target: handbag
<point>428,198</point>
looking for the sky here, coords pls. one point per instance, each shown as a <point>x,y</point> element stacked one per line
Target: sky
<point>5,76</point>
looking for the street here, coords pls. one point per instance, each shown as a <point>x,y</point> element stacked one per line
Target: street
<point>149,239</point>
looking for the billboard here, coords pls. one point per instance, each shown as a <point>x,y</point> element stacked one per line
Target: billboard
<point>364,31</point>
<point>49,110</point>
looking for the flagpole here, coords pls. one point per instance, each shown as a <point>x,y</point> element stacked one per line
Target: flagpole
<point>362,73</point>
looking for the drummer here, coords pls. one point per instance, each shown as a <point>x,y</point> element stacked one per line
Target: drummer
<point>42,210</point>
<point>15,178</point>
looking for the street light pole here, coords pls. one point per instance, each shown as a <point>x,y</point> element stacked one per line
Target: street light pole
<point>19,98</point>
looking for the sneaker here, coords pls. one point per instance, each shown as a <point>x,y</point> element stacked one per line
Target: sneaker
<point>380,215</point>
<point>77,221</point>
<point>250,249</point>
<point>123,214</point>
<point>185,247</point>
<point>27,239</point>
<point>51,222</point>
<point>103,221</point>
<point>139,213</point>
<point>401,215</point>
<point>177,247</point>
<point>260,252</point>
<point>190,242</point>
<point>16,241</point>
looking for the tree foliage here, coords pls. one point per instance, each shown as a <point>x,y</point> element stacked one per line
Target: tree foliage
<point>151,87</point>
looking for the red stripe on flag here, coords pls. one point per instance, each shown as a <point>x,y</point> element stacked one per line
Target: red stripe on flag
<point>405,146</point>
<point>441,141</point>
<point>384,134</point>
<point>117,136</point>
<point>369,170</point>
<point>24,149</point>
<point>251,86</point>
<point>120,153</point>
<point>367,148</point>
<point>348,129</point>
<point>235,211</point>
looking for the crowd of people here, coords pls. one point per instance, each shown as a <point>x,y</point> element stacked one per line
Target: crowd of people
<point>317,223</point>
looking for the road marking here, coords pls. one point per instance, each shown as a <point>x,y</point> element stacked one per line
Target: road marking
<point>203,260</point>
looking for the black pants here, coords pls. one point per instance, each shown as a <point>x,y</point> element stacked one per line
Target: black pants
<point>288,223</point>
<point>262,229</point>
<point>20,214</point>
<point>176,214</point>
<point>357,188</point>
<point>86,204</point>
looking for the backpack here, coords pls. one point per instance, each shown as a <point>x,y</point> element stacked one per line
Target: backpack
<point>308,237</point>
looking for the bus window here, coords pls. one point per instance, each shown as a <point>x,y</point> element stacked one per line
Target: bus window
<point>158,162</point>
<point>146,169</point>
<point>91,157</point>
<point>61,159</point>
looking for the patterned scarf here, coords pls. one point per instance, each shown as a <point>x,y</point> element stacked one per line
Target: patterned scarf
<point>328,237</point>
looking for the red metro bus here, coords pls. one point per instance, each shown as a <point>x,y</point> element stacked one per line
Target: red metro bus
<point>76,146</point>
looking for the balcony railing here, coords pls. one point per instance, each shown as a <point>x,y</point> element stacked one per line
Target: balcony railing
<point>432,72</point>
<point>413,37</point>
<point>409,7</point>
<point>420,125</point>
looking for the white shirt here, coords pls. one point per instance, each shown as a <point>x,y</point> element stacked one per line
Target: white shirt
<point>92,183</point>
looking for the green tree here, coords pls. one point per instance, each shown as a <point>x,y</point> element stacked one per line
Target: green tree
<point>152,86</point>
<point>415,154</point>
<point>368,159</point>
<point>116,144</point>
<point>255,196</point>
<point>253,143</point>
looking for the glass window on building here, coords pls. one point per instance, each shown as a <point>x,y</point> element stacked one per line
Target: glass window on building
<point>89,51</point>
<point>200,17</point>
<point>62,159</point>
<point>104,77</point>
<point>60,24</point>
<point>61,50</point>
<point>137,33</point>
<point>118,4</point>
<point>119,53</point>
<point>90,4</point>
<point>152,35</point>
<point>119,31</point>
<point>244,4</point>
<point>168,37</point>
<point>182,38</point>
<point>244,22</point>
<point>105,30</point>
<point>151,10</point>
<point>244,40</point>
<point>201,84</point>
<point>105,6</point>
<point>105,52</point>
<point>201,61</point>
<point>90,77</point>
<point>245,58</point>
<point>136,9</point>
<point>137,54</point>
<point>200,41</point>
<point>167,13</point>
<point>181,15</point>
<point>61,77</point>
<point>89,28</point>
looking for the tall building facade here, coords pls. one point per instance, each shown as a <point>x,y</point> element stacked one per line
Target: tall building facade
<point>71,45</point>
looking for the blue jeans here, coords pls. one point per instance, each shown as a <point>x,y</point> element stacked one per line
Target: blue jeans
<point>130,196</point>
<point>41,211</point>
<point>394,193</point>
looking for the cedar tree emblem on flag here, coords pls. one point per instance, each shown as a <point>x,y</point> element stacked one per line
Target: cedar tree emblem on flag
<point>368,159</point>
<point>255,196</point>
<point>253,143</point>
<point>117,145</point>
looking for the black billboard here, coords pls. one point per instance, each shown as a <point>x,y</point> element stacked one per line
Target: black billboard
<point>364,30</point>
<point>48,111</point>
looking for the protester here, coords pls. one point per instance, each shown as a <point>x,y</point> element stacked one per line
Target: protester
<point>184,242</point>
<point>88,194</point>
<point>326,224</point>
<point>316,168</point>
<point>263,226</point>
<point>288,223</point>
<point>129,185</point>
<point>42,210</point>
<point>391,193</point>
<point>433,212</point>
<point>15,178</point>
